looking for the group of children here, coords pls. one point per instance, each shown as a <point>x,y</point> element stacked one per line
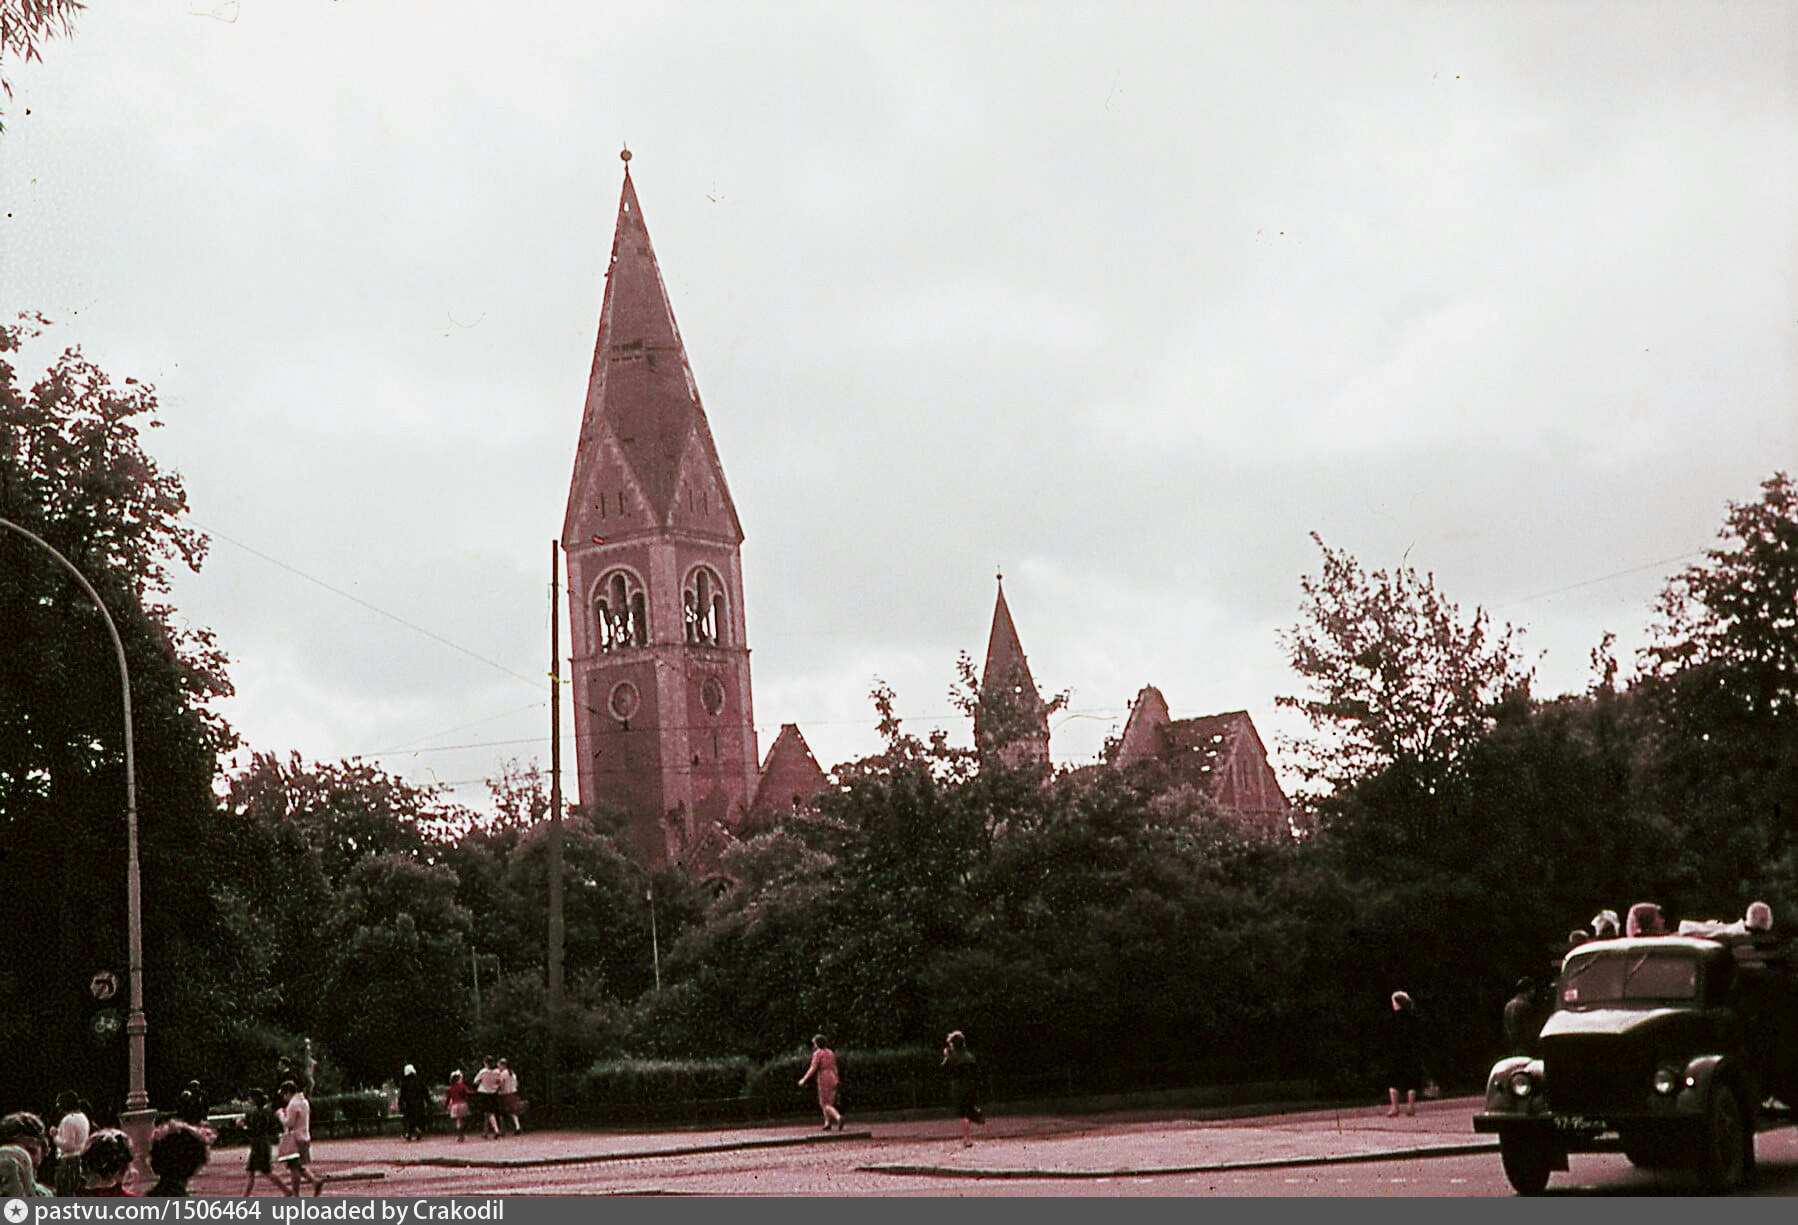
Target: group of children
<point>100,1166</point>
<point>493,1095</point>
<point>281,1134</point>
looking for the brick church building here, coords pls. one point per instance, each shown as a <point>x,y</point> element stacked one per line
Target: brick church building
<point>663,713</point>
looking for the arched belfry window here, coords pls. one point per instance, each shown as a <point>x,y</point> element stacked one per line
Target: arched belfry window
<point>702,605</point>
<point>620,613</point>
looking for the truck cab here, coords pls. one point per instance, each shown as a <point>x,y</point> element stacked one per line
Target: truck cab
<point>1673,1050</point>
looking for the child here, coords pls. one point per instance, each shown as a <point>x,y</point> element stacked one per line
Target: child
<point>455,1100</point>
<point>263,1129</point>
<point>176,1155</point>
<point>105,1162</point>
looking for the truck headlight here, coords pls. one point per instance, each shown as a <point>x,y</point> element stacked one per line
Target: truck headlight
<point>1668,1081</point>
<point>1522,1084</point>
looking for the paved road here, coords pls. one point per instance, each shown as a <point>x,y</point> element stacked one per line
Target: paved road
<point>1350,1152</point>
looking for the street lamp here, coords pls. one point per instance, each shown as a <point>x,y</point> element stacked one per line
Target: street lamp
<point>138,1120</point>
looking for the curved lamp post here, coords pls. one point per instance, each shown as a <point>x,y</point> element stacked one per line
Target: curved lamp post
<point>137,1118</point>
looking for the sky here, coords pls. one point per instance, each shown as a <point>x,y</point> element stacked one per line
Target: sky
<point>1125,300</point>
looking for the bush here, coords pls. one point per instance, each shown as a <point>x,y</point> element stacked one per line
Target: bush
<point>649,1082</point>
<point>895,1079</point>
<point>365,1110</point>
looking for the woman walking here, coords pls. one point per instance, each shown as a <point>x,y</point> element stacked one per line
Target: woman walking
<point>964,1078</point>
<point>1404,1054</point>
<point>824,1069</point>
<point>415,1103</point>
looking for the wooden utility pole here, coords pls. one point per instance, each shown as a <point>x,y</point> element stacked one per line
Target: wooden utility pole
<point>555,821</point>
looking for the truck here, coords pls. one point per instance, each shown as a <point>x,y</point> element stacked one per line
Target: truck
<point>1673,1050</point>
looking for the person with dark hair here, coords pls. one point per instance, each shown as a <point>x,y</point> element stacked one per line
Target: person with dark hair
<point>296,1137</point>
<point>24,1144</point>
<point>1404,1053</point>
<point>105,1162</point>
<point>191,1106</point>
<point>263,1130</point>
<point>486,1097</point>
<point>415,1103</point>
<point>824,1068</point>
<point>1524,1017</point>
<point>72,1130</point>
<point>963,1071</point>
<point>1644,919</point>
<point>177,1152</point>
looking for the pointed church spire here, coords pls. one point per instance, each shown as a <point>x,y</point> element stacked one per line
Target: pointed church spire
<point>1005,663</point>
<point>1011,720</point>
<point>642,392</point>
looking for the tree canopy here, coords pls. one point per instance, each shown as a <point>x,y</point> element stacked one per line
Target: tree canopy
<point>1399,679</point>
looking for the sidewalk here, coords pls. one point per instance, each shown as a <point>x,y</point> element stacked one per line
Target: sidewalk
<point>1011,1146</point>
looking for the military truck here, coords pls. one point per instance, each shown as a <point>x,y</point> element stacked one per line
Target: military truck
<point>1673,1050</point>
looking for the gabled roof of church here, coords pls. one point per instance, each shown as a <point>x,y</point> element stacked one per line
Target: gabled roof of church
<point>641,388</point>
<point>1220,754</point>
<point>1202,744</point>
<point>1005,663</point>
<point>790,774</point>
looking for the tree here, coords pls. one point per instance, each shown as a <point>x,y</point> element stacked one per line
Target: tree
<point>73,471</point>
<point>346,811</point>
<point>1399,678</point>
<point>1730,622</point>
<point>1721,673</point>
<point>25,25</point>
<point>396,942</point>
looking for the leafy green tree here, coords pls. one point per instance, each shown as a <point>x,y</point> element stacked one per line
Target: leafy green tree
<point>347,811</point>
<point>1729,624</point>
<point>1721,674</point>
<point>397,942</point>
<point>1399,678</point>
<point>73,471</point>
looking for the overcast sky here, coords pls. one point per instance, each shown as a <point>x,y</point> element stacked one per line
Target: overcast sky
<point>1125,299</point>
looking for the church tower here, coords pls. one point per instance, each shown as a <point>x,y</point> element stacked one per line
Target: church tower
<point>1011,724</point>
<point>664,728</point>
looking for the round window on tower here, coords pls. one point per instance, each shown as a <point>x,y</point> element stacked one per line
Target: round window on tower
<point>711,695</point>
<point>624,699</point>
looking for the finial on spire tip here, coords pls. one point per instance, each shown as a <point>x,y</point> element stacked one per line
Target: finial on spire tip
<point>624,155</point>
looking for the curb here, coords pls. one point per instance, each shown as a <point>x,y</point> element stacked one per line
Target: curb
<point>1216,1167</point>
<point>686,1150</point>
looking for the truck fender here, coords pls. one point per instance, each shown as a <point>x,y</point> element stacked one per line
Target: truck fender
<point>1499,1099</point>
<point>1708,1070</point>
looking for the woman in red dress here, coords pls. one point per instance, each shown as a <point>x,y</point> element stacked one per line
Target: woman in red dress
<point>824,1068</point>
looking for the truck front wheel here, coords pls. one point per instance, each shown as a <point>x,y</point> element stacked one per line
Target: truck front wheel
<point>1526,1162</point>
<point>1727,1154</point>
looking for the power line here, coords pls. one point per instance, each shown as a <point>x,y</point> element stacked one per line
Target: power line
<point>421,748</point>
<point>374,608</point>
<point>1605,578</point>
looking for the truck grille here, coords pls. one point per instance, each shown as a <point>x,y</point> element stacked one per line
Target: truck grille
<point>1590,1074</point>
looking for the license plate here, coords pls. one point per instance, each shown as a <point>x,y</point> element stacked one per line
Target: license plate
<point>1577,1122</point>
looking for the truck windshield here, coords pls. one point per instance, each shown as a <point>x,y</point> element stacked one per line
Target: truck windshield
<point>1628,977</point>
